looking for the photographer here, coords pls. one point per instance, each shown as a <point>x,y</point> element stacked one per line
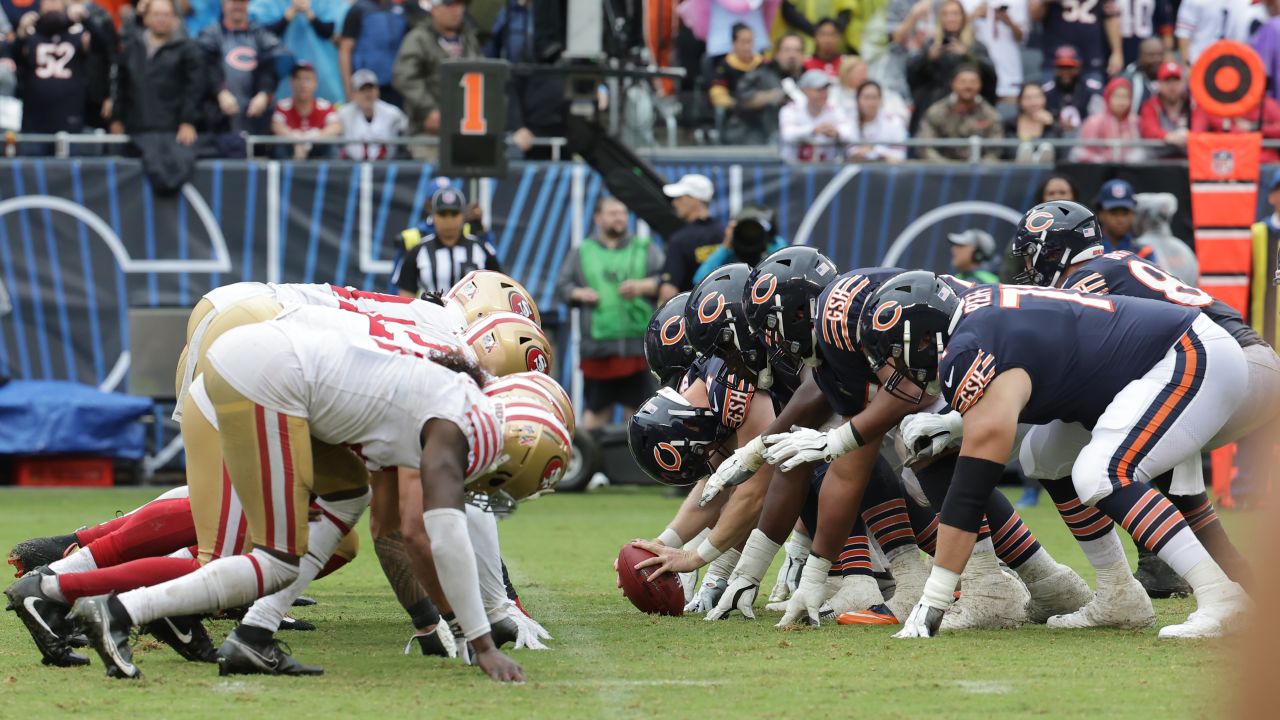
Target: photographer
<point>749,238</point>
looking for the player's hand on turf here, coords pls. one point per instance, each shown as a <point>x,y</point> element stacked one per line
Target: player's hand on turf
<point>923,622</point>
<point>499,667</point>
<point>668,559</point>
<point>709,593</point>
<point>735,470</point>
<point>927,435</point>
<point>805,445</point>
<point>740,595</point>
<point>804,607</point>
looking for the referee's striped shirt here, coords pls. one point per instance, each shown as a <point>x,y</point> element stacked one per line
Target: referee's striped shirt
<point>433,267</point>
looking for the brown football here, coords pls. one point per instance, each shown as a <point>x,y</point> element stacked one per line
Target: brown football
<point>662,596</point>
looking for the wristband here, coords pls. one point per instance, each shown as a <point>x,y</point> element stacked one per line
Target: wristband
<point>708,552</point>
<point>816,570</point>
<point>670,538</point>
<point>753,453</point>
<point>940,588</point>
<point>849,437</point>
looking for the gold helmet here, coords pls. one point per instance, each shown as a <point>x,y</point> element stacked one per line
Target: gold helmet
<point>506,343</point>
<point>535,452</point>
<point>481,292</point>
<point>540,387</point>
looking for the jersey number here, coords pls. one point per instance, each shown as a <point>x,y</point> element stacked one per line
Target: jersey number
<point>1011,297</point>
<point>473,120</point>
<point>1160,281</point>
<point>52,60</point>
<point>1079,11</point>
<point>1137,18</point>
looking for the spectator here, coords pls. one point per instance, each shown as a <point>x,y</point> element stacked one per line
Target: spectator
<point>442,258</point>
<point>816,130</point>
<point>1264,119</point>
<point>732,67</point>
<point>1091,29</point>
<point>760,93</point>
<point>1142,72</point>
<point>240,59</point>
<point>876,124</point>
<point>854,73</point>
<point>1266,41</point>
<point>416,74</point>
<point>828,48</point>
<point>1114,122</point>
<point>1054,187</point>
<point>1032,125</point>
<point>1114,207</point>
<point>1070,97</point>
<point>910,24</point>
<point>304,116</point>
<point>965,113</point>
<point>611,278</point>
<point>1167,116</point>
<point>693,243</point>
<point>1142,21</point>
<point>970,250</point>
<point>372,33</point>
<point>714,24</point>
<point>788,63</point>
<point>8,68</point>
<point>52,54</point>
<point>306,28</point>
<point>748,238</point>
<point>160,78</point>
<point>1202,23</point>
<point>533,101</point>
<point>804,17</point>
<point>929,71</point>
<point>368,121</point>
<point>101,60</point>
<point>1001,26</point>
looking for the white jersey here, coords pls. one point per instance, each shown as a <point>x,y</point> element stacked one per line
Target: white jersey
<point>365,135</point>
<point>358,383</point>
<point>1204,22</point>
<point>1005,51</point>
<point>799,141</point>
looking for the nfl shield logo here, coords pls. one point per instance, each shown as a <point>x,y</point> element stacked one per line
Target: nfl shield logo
<point>1224,162</point>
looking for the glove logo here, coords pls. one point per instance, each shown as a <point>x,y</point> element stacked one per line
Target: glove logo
<point>711,307</point>
<point>672,331</point>
<point>667,457</point>
<point>880,322</point>
<point>764,288</point>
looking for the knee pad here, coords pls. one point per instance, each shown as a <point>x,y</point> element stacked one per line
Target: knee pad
<point>1049,451</point>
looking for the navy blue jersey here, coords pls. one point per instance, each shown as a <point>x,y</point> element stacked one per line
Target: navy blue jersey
<point>1080,24</point>
<point>728,395</point>
<point>1123,273</point>
<point>53,80</point>
<point>1080,350</point>
<point>843,374</point>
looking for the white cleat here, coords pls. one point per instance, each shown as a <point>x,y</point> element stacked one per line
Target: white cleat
<point>857,592</point>
<point>910,571</point>
<point>1124,605</point>
<point>1220,609</point>
<point>1061,592</point>
<point>990,599</point>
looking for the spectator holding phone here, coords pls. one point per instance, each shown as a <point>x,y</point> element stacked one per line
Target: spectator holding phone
<point>929,71</point>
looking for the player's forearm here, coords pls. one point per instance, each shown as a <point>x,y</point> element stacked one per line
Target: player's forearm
<point>693,518</point>
<point>808,408</point>
<point>840,499</point>
<point>742,511</point>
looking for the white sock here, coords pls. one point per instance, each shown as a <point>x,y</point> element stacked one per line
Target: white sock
<point>483,529</point>
<point>1184,552</point>
<point>50,586</point>
<point>1105,551</point>
<point>757,556</point>
<point>223,583</point>
<point>1116,573</point>
<point>981,562</point>
<point>983,546</point>
<point>1205,573</point>
<point>722,567</point>
<point>1038,566</point>
<point>81,560</point>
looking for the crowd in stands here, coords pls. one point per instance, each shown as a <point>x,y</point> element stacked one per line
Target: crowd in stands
<point>822,80</point>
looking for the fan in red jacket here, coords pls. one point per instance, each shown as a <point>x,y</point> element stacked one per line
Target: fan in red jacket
<point>1166,115</point>
<point>1264,119</point>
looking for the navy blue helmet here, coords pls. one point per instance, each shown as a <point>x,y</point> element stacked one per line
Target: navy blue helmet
<point>673,440</point>
<point>716,321</point>
<point>781,300</point>
<point>666,344</point>
<point>906,324</point>
<point>1052,236</point>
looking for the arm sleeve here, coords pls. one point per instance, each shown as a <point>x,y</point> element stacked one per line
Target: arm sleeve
<point>455,562</point>
<point>1149,121</point>
<point>409,73</point>
<point>796,19</point>
<point>278,27</point>
<point>1188,18</point>
<point>322,28</point>
<point>265,78</point>
<point>406,276</point>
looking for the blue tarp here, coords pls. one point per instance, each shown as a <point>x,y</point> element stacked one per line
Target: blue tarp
<point>40,417</point>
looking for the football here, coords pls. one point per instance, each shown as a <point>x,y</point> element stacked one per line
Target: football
<point>662,596</point>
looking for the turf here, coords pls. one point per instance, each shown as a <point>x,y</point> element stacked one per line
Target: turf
<point>609,660</point>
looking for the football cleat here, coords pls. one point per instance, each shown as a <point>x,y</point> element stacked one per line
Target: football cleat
<point>875,615</point>
<point>45,619</point>
<point>503,631</point>
<point>31,554</point>
<point>910,571</point>
<point>237,656</point>
<point>1220,609</point>
<point>296,625</point>
<point>303,601</point>
<point>990,599</point>
<point>108,633</point>
<point>186,635</point>
<point>437,641</point>
<point>1158,578</point>
<point>857,592</point>
<point>1061,592</point>
<point>1124,606</point>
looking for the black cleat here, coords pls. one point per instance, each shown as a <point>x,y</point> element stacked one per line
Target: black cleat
<point>31,554</point>
<point>108,633</point>
<point>433,642</point>
<point>292,623</point>
<point>303,601</point>
<point>186,635</point>
<point>1158,578</point>
<point>238,656</point>
<point>46,620</point>
<point>504,631</point>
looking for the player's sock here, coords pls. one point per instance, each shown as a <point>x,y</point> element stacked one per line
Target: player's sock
<point>1203,521</point>
<point>855,558</point>
<point>885,511</point>
<point>89,534</point>
<point>140,573</point>
<point>984,535</point>
<point>1092,529</point>
<point>425,614</point>
<point>1015,543</point>
<point>1156,525</point>
<point>924,522</point>
<point>154,530</point>
<point>222,583</point>
<point>81,560</point>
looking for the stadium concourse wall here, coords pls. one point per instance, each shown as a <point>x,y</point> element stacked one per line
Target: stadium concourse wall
<point>83,241</point>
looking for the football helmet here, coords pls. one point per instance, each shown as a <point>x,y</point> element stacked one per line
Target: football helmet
<point>716,323</point>
<point>506,343</point>
<point>1051,237</point>
<point>536,449</point>
<point>540,387</point>
<point>481,292</point>
<point>781,300</point>
<point>673,440</point>
<point>906,324</point>
<point>666,344</point>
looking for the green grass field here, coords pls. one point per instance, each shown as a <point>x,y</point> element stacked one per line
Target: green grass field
<point>608,659</point>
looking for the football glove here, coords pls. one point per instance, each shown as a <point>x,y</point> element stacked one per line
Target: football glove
<point>789,574</point>
<point>735,470</point>
<point>708,595</point>
<point>438,641</point>
<point>739,594</point>
<point>464,649</point>
<point>805,605</point>
<point>531,633</point>
<point>923,622</point>
<point>805,445</point>
<point>927,435</point>
<point>744,581</point>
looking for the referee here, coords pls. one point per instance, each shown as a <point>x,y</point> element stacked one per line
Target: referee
<point>445,256</point>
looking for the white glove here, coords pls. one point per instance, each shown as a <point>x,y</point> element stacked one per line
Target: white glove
<point>739,595</point>
<point>465,651</point>
<point>744,582</point>
<point>923,622</point>
<point>443,635</point>
<point>735,470</point>
<point>789,574</point>
<point>926,435</point>
<point>529,632</point>
<point>805,445</point>
<point>805,605</point>
<point>713,587</point>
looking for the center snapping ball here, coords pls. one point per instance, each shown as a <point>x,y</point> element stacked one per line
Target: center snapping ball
<point>662,595</point>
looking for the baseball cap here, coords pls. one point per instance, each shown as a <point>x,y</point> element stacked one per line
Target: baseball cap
<point>1116,194</point>
<point>448,199</point>
<point>815,79</point>
<point>1169,70</point>
<point>299,66</point>
<point>1066,56</point>
<point>980,239</point>
<point>363,78</point>
<point>698,187</point>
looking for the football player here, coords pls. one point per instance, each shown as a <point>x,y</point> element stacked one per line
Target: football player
<point>1163,381</point>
